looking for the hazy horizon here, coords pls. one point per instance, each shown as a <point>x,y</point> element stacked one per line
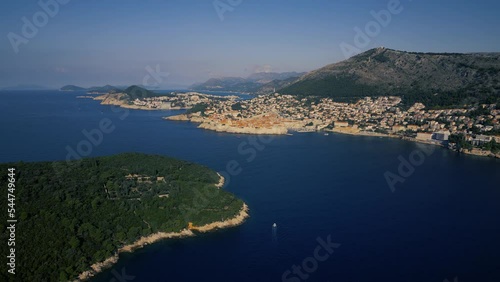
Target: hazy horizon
<point>90,43</point>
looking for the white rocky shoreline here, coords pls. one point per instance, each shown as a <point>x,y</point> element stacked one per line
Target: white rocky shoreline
<point>150,239</point>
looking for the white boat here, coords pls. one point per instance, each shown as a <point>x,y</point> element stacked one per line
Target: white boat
<point>326,134</point>
<point>274,225</point>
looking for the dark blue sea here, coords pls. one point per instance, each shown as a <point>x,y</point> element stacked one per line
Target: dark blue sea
<point>337,217</point>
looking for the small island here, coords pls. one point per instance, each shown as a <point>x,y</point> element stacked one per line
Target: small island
<point>76,217</point>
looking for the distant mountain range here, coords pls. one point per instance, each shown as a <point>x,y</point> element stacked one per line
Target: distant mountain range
<point>435,79</point>
<point>100,89</point>
<point>72,88</point>
<point>257,83</point>
<point>27,87</point>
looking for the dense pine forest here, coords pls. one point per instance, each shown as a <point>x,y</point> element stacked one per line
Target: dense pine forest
<point>73,214</point>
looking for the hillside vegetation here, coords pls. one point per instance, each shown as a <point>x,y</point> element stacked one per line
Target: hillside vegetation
<point>435,79</point>
<point>71,215</point>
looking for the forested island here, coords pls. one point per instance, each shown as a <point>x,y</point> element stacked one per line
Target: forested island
<point>74,215</point>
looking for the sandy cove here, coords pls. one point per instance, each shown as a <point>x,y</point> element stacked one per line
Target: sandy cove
<point>143,241</point>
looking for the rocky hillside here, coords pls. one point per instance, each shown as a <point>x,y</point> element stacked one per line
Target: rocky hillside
<point>136,92</point>
<point>273,86</point>
<point>436,79</point>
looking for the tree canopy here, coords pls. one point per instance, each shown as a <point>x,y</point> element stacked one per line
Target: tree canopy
<point>73,214</point>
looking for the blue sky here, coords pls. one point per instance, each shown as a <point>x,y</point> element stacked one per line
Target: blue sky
<point>96,42</point>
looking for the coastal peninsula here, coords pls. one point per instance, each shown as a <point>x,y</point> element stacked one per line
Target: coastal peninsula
<point>101,207</point>
<point>138,98</point>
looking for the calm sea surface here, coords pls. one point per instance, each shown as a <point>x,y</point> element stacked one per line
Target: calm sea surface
<point>442,222</point>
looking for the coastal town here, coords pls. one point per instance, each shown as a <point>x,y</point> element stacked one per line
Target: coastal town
<point>472,129</point>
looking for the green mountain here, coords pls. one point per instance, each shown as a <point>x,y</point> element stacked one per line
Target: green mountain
<point>104,89</point>
<point>101,89</point>
<point>435,79</point>
<point>76,213</point>
<point>26,87</point>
